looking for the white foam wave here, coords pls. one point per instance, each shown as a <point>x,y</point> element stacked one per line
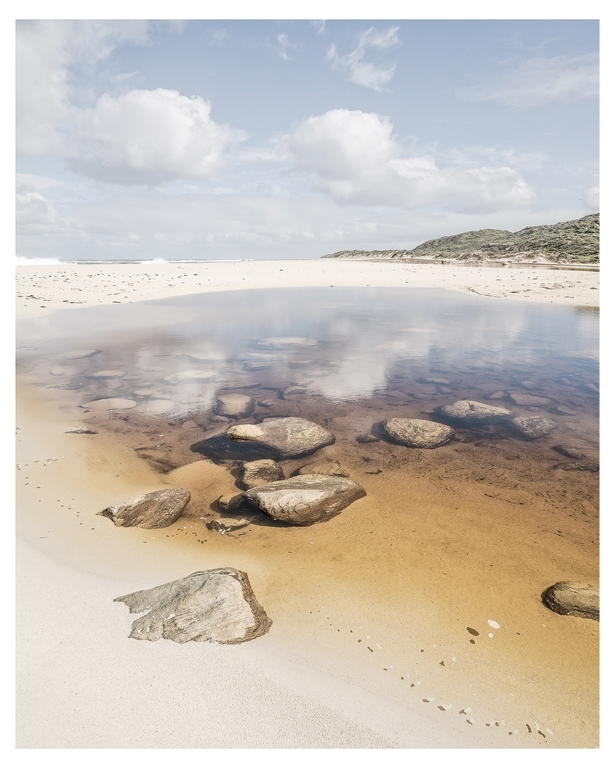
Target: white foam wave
<point>24,261</point>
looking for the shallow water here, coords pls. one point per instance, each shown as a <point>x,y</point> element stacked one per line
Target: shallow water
<point>444,539</point>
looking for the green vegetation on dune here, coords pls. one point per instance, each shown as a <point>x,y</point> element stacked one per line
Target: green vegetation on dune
<point>575,241</point>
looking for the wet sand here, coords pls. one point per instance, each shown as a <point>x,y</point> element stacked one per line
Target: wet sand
<point>370,645</point>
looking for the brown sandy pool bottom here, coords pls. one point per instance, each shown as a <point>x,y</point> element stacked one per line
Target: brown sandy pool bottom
<point>460,538</point>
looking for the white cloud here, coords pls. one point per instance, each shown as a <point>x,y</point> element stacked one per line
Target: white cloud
<point>591,199</point>
<point>539,81</point>
<point>354,158</point>
<point>356,69</point>
<point>284,45</point>
<point>46,51</point>
<point>151,136</point>
<point>34,212</point>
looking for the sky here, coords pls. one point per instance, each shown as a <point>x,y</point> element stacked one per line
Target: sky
<point>262,139</point>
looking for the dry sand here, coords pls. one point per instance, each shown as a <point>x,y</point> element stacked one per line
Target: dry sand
<point>83,684</point>
<point>42,290</point>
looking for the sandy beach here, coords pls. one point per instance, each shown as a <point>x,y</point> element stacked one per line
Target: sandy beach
<point>82,683</point>
<point>43,289</point>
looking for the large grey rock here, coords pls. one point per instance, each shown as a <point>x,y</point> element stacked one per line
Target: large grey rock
<point>216,606</point>
<point>532,427</point>
<point>233,405</point>
<point>567,597</point>
<point>283,438</point>
<point>150,510</point>
<point>305,499</point>
<point>416,433</point>
<point>473,413</point>
<point>253,473</point>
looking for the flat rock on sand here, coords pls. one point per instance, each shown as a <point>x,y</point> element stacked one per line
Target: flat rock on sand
<point>416,433</point>
<point>109,404</point>
<point>570,598</point>
<point>533,427</point>
<point>158,509</point>
<point>233,405</point>
<point>216,606</point>
<point>305,499</point>
<point>284,438</point>
<point>473,413</point>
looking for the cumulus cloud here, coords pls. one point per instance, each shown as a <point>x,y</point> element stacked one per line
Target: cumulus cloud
<point>143,136</point>
<point>151,136</point>
<point>354,66</point>
<point>45,53</point>
<point>539,81</point>
<point>354,158</point>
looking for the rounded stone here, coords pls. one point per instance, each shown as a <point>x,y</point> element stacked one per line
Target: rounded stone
<point>417,433</point>
<point>473,413</point>
<point>533,427</point>
<point>233,405</point>
<point>573,599</point>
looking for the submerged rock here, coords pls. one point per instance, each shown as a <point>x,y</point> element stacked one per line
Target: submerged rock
<point>330,467</point>
<point>569,452</point>
<point>520,398</point>
<point>416,433</point>
<point>306,499</point>
<point>570,598</point>
<point>473,413</point>
<point>533,427</point>
<point>177,378</point>
<point>78,354</point>
<point>283,438</point>
<point>287,342</point>
<point>253,473</point>
<point>109,404</point>
<point>293,391</point>
<point>216,606</point>
<point>233,405</point>
<point>63,370</point>
<point>106,375</point>
<point>158,509</point>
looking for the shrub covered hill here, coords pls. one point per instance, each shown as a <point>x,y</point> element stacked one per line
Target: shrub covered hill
<point>575,242</point>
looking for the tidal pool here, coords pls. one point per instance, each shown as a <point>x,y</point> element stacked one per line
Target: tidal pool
<point>465,534</point>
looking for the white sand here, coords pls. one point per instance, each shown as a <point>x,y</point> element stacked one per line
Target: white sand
<point>82,683</point>
<point>62,286</point>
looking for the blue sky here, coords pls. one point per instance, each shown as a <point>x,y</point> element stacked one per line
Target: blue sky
<point>291,139</point>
